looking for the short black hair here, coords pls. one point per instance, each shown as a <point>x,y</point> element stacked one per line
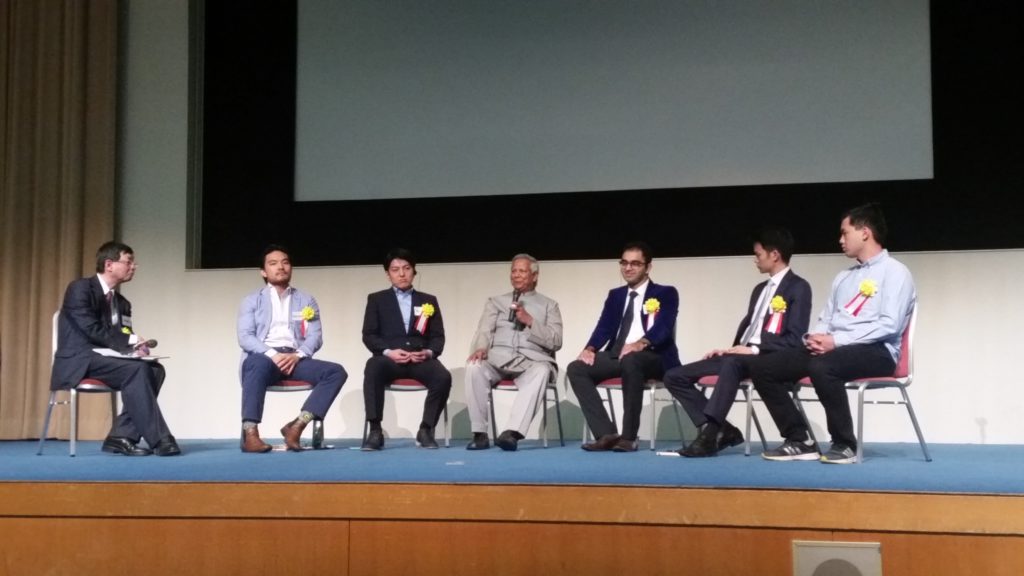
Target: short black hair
<point>869,216</point>
<point>273,248</point>
<point>642,246</point>
<point>111,250</point>
<point>399,254</point>
<point>776,238</point>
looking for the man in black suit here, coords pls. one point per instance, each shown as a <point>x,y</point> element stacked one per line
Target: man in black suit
<point>777,318</point>
<point>403,329</point>
<point>95,316</point>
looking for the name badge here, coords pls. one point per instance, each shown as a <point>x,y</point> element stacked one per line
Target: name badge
<point>126,321</point>
<point>417,310</point>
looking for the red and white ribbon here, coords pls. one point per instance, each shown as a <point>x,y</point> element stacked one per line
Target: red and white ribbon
<point>774,325</point>
<point>303,328</point>
<point>650,319</point>
<point>421,323</point>
<point>855,304</point>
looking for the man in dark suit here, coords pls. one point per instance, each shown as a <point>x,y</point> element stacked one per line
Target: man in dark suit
<point>634,339</point>
<point>95,316</point>
<point>403,329</point>
<point>777,317</point>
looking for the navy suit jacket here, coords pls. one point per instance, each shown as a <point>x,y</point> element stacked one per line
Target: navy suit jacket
<point>84,323</point>
<point>661,334</point>
<point>797,294</point>
<point>384,327</point>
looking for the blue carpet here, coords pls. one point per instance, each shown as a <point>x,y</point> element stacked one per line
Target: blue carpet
<point>957,468</point>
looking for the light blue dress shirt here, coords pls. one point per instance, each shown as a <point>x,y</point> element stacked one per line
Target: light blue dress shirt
<point>882,317</point>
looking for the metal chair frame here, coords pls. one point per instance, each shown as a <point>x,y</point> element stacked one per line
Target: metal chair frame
<point>412,385</point>
<point>552,386</point>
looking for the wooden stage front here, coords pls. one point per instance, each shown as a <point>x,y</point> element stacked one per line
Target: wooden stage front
<point>449,529</point>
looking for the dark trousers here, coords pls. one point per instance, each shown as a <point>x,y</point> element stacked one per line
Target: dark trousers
<point>731,369</point>
<point>259,371</point>
<point>381,371</point>
<point>139,382</point>
<point>635,369</point>
<point>774,375</point>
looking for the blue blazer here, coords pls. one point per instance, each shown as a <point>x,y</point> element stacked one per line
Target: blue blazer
<point>84,323</point>
<point>661,334</point>
<point>797,294</point>
<point>256,312</point>
<point>384,327</point>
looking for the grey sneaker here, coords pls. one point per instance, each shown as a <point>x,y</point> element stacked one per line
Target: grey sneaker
<point>839,454</point>
<point>791,450</point>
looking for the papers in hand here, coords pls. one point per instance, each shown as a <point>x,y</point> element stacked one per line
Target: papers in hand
<point>115,354</point>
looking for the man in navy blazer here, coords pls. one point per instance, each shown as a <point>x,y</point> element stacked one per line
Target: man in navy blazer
<point>634,339</point>
<point>777,317</point>
<point>404,330</point>
<point>95,316</point>
<point>279,330</point>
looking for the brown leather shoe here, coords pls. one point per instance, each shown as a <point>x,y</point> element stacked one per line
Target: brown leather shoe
<point>292,433</point>
<point>602,444</point>
<point>624,445</point>
<point>253,442</point>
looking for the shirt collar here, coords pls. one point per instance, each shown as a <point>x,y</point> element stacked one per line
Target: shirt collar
<point>641,289</point>
<point>873,260</point>
<point>403,292</point>
<point>103,285</point>
<point>776,279</point>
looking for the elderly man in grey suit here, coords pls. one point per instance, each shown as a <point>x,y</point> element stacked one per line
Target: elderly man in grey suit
<point>518,335</point>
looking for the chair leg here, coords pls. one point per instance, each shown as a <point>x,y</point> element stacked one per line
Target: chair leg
<point>917,427</point>
<point>860,425</point>
<point>447,437</point>
<point>679,421</point>
<point>558,416</point>
<point>800,407</point>
<point>366,429</point>
<point>46,421</point>
<point>318,434</point>
<point>750,415</point>
<point>544,418</point>
<point>74,420</point>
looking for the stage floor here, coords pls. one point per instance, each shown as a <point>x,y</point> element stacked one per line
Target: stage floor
<point>959,468</point>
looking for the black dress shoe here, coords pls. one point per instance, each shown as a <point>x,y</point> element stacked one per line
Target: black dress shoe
<point>425,438</point>
<point>602,444</point>
<point>508,440</point>
<point>480,441</point>
<point>167,447</point>
<point>124,446</point>
<point>374,441</point>
<point>729,436</point>
<point>706,444</point>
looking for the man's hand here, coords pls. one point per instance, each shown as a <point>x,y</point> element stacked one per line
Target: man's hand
<point>420,356</point>
<point>522,315</point>
<point>286,362</point>
<point>478,355</point>
<point>399,356</point>
<point>819,344</point>
<point>628,349</point>
<point>586,356</point>
<point>140,349</point>
<point>740,350</point>
<point>713,353</point>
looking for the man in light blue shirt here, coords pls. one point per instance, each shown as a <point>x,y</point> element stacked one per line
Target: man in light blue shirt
<point>857,335</point>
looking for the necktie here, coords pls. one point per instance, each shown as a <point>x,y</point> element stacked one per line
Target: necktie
<point>624,326</point>
<point>110,305</point>
<point>758,318</point>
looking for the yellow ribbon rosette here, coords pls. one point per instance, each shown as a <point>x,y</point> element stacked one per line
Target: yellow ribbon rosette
<point>651,305</point>
<point>868,288</point>
<point>308,313</point>
<point>778,304</point>
<point>427,310</point>
<point>126,330</point>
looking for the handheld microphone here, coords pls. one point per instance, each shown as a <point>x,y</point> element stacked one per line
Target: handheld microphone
<point>512,310</point>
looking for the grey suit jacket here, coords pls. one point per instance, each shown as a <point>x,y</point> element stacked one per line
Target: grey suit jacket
<point>507,347</point>
<point>256,311</point>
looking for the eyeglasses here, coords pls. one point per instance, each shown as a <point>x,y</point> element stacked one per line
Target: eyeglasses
<point>128,263</point>
<point>632,264</point>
